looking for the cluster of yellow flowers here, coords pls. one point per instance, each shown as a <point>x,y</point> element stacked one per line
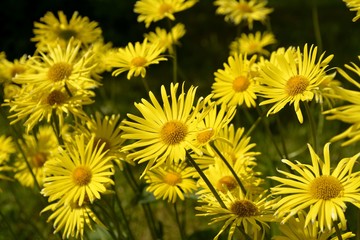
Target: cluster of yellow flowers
<point>182,146</point>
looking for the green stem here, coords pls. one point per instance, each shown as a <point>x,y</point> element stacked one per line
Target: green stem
<point>146,85</point>
<point>253,126</point>
<point>337,230</point>
<point>205,179</point>
<point>174,54</point>
<point>281,131</point>
<point>316,25</point>
<point>103,210</point>
<point>212,145</point>
<point>180,227</point>
<point>312,125</point>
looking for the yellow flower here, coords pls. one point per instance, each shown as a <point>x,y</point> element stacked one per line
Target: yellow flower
<point>354,5</point>
<point>292,78</point>
<point>164,133</point>
<point>53,31</point>
<point>235,85</point>
<point>79,173</point>
<point>71,218</point>
<point>237,11</point>
<point>252,43</point>
<point>166,40</point>
<point>294,229</point>
<point>154,10</point>
<point>171,182</point>
<point>322,191</point>
<point>7,147</point>
<point>248,212</point>
<point>37,149</point>
<point>135,58</point>
<point>8,69</point>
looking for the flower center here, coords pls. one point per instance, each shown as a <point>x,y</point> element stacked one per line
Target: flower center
<point>326,187</point>
<point>55,97</point>
<point>66,34</point>
<point>244,8</point>
<point>240,84</point>
<point>173,132</point>
<point>39,159</point>
<point>244,208</point>
<point>296,85</point>
<point>172,178</point>
<point>165,8</point>
<point>59,71</point>
<point>100,141</point>
<point>138,61</point>
<point>226,183</point>
<point>204,136</point>
<point>81,175</point>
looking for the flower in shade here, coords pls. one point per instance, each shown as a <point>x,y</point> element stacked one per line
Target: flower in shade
<point>354,5</point>
<point>9,69</point>
<point>164,132</point>
<point>79,173</point>
<point>235,84</point>
<point>166,40</point>
<point>171,182</point>
<point>292,78</point>
<point>252,43</point>
<point>37,149</point>
<point>248,212</point>
<point>317,189</point>
<point>7,148</point>
<point>237,11</point>
<point>154,10</point>
<point>52,30</point>
<point>135,58</point>
<point>71,218</point>
<point>294,229</point>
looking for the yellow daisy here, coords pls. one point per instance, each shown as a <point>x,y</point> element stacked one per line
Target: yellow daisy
<point>154,10</point>
<point>170,182</point>
<point>237,11</point>
<point>106,131</point>
<point>247,212</point>
<point>322,191</point>
<point>60,66</point>
<point>79,173</point>
<point>135,58</point>
<point>166,40</point>
<point>164,133</point>
<point>235,85</point>
<point>252,43</point>
<point>38,149</point>
<point>7,147</point>
<point>294,229</point>
<point>102,51</point>
<point>354,5</point>
<point>9,69</point>
<point>71,218</point>
<point>292,79</point>
<point>53,30</point>
<point>52,105</point>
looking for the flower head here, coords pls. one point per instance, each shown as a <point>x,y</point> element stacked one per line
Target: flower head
<point>354,5</point>
<point>135,58</point>
<point>252,43</point>
<point>324,193</point>
<point>292,78</point>
<point>79,173</point>
<point>235,84</point>
<point>154,10</point>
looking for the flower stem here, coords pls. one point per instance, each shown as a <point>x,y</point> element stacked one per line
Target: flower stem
<point>206,180</point>
<point>181,229</point>
<point>312,125</point>
<point>212,145</point>
<point>146,85</point>
<point>316,24</point>
<point>337,230</point>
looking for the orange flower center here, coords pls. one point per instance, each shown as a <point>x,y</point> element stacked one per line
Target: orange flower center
<point>226,183</point>
<point>138,61</point>
<point>244,208</point>
<point>326,187</point>
<point>59,71</point>
<point>165,8</point>
<point>296,85</point>
<point>81,175</point>
<point>172,178</point>
<point>39,159</point>
<point>244,7</point>
<point>173,132</point>
<point>55,97</point>
<point>204,136</point>
<point>240,84</point>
